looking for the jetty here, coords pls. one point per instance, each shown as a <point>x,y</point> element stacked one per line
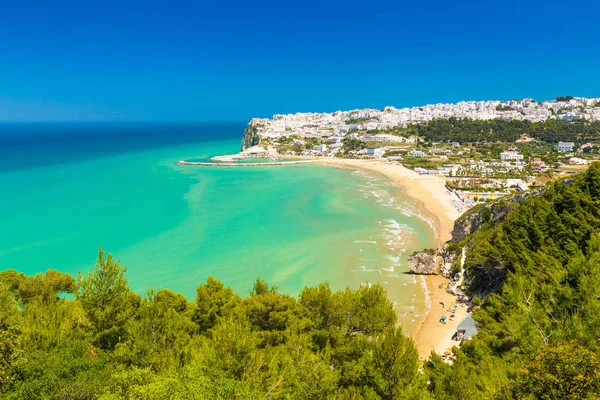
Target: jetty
<point>242,164</point>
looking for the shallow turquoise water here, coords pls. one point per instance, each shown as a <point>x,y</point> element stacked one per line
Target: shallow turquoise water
<point>173,226</point>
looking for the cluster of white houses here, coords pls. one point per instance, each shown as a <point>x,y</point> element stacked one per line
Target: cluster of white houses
<point>510,160</point>
<point>340,123</point>
<point>322,149</point>
<point>446,170</point>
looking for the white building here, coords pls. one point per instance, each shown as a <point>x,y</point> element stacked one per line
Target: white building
<point>417,153</point>
<point>511,155</point>
<point>322,148</point>
<point>439,151</point>
<point>376,152</point>
<point>512,183</point>
<point>383,138</point>
<point>565,146</point>
<point>577,161</point>
<point>445,171</point>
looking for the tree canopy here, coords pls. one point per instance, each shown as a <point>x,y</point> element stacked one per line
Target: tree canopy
<point>500,130</point>
<point>538,271</point>
<point>106,342</point>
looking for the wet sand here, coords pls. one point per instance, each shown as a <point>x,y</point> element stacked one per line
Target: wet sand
<point>429,191</point>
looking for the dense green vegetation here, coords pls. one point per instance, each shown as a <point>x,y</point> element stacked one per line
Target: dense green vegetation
<point>349,144</point>
<point>351,121</point>
<point>104,341</point>
<point>286,144</point>
<point>395,130</point>
<point>533,269</point>
<point>499,130</point>
<point>564,98</point>
<point>540,327</point>
<point>421,162</point>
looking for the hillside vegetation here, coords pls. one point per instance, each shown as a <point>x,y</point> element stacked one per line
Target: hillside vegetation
<point>500,130</point>
<point>109,343</point>
<point>538,270</point>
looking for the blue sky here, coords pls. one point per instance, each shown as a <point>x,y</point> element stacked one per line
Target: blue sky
<point>225,60</point>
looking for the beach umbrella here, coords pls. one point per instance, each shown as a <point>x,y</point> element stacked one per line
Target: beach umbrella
<point>447,352</point>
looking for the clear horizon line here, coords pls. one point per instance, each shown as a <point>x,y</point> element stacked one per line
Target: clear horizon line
<point>75,121</point>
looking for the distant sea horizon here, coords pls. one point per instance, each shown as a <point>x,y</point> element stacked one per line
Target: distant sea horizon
<point>67,189</point>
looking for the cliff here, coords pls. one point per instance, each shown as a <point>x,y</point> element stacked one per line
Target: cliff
<point>473,219</point>
<point>251,136</point>
<point>440,260</point>
<point>493,212</point>
<point>432,262</point>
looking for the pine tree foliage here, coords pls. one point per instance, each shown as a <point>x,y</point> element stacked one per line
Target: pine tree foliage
<point>109,343</point>
<point>539,273</point>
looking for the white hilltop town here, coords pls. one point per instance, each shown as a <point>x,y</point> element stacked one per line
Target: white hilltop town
<point>477,148</point>
<point>340,123</point>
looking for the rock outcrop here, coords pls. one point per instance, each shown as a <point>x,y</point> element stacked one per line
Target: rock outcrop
<point>431,262</point>
<point>469,223</point>
<point>251,137</point>
<point>472,220</point>
<point>440,260</point>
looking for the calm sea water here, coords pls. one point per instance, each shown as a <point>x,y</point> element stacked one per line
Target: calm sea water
<point>67,189</point>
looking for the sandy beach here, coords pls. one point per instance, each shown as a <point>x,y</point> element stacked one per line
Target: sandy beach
<point>436,200</point>
<point>433,334</point>
<point>429,191</point>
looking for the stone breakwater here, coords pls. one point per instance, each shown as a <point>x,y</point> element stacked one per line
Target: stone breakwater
<point>258,164</point>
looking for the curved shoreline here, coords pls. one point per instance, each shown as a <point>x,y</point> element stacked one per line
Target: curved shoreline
<point>230,164</point>
<point>426,191</point>
<point>432,197</point>
<point>434,200</point>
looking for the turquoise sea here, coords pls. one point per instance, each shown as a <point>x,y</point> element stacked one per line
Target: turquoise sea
<point>67,189</point>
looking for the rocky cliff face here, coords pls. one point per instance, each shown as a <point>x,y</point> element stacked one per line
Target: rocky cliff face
<point>431,262</point>
<point>472,220</point>
<point>251,136</point>
<point>439,261</point>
